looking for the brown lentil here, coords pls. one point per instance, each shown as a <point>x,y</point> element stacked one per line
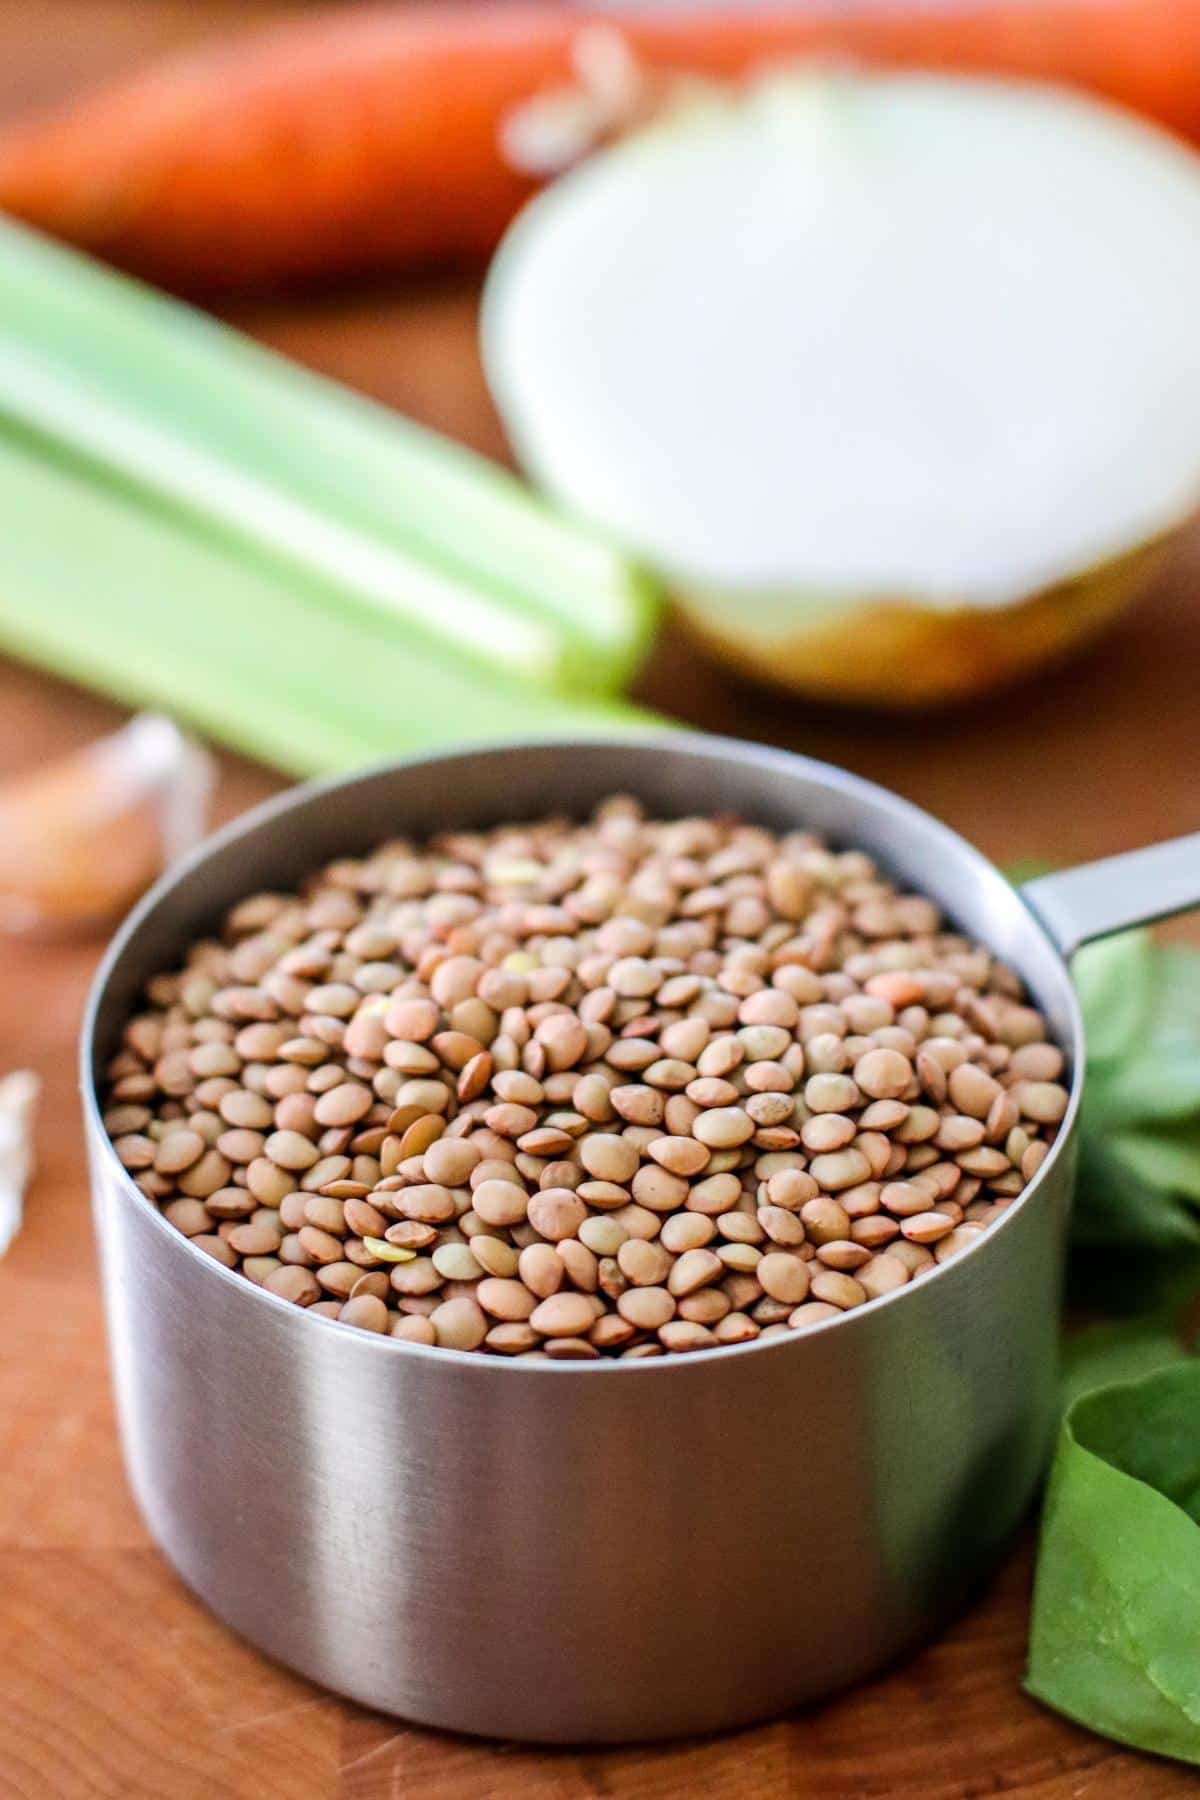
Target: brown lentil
<point>783,1277</point>
<point>563,1315</point>
<point>686,1231</point>
<point>459,1324</point>
<point>413,1329</point>
<point>556,1213</point>
<point>837,1290</point>
<point>367,1312</point>
<point>541,1269</point>
<point>616,1089</point>
<point>814,1312</point>
<point>647,1308</point>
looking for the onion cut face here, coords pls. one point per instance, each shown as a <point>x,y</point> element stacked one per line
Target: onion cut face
<point>894,379</point>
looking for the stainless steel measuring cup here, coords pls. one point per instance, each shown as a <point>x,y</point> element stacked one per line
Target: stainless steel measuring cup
<point>612,1550</point>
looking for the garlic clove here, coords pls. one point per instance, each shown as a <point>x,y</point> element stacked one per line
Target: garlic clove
<point>18,1097</point>
<point>83,837</point>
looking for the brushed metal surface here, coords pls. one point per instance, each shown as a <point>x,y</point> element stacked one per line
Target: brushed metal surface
<point>1076,905</point>
<point>581,1552</point>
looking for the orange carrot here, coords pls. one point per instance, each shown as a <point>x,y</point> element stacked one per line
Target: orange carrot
<point>353,142</point>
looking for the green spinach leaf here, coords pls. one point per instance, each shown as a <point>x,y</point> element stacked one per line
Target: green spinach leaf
<point>1117,1205</point>
<point>1139,1165</point>
<point>1114,980</point>
<point>1115,1638</point>
<point>1121,1350</point>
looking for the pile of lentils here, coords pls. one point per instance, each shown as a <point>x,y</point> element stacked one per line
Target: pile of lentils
<point>573,1091</point>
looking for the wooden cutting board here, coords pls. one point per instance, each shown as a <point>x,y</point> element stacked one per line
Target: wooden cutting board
<point>113,1680</point>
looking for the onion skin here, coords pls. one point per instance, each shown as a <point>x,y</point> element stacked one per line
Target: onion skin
<point>903,657</point>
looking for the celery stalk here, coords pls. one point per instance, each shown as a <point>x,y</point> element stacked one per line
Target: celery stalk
<point>417,531</point>
<point>127,599</point>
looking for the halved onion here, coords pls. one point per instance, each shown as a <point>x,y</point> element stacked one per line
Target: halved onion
<point>894,379</point>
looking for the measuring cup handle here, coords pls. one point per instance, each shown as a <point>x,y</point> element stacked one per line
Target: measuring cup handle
<point>1077,905</point>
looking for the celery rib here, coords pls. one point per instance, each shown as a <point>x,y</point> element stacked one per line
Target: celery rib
<point>420,534</point>
<point>126,599</point>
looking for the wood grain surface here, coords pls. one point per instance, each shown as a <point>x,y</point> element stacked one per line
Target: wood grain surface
<point>113,1680</point>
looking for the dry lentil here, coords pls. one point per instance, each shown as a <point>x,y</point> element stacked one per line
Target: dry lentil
<point>783,1277</point>
<point>413,1329</point>
<point>459,1324</point>
<point>367,1312</point>
<point>571,1091</point>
